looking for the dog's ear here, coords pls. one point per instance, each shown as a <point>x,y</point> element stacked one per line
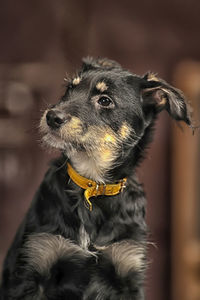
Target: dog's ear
<point>90,63</point>
<point>160,95</point>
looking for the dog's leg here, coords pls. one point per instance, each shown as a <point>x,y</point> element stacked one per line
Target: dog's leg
<point>120,273</point>
<point>53,267</point>
<point>49,267</point>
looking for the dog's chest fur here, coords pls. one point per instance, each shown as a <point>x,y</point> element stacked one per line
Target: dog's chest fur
<point>90,167</point>
<point>84,238</point>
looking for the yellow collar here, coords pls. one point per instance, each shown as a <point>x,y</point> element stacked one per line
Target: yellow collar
<point>93,189</point>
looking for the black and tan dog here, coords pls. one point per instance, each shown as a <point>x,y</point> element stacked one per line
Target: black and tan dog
<point>84,236</point>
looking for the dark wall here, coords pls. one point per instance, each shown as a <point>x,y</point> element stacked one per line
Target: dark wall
<point>40,40</point>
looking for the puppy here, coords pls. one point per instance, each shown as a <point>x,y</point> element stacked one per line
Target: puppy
<point>84,236</point>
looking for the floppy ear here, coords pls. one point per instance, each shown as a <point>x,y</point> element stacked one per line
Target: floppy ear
<point>103,63</point>
<point>160,95</point>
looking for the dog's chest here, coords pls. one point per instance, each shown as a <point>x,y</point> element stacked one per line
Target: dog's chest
<point>84,238</point>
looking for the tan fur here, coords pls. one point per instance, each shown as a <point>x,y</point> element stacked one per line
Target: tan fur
<point>76,81</point>
<point>105,63</point>
<point>162,102</point>
<point>75,123</point>
<point>124,131</point>
<point>101,86</point>
<point>106,155</point>
<point>73,127</point>
<point>109,138</point>
<point>152,77</point>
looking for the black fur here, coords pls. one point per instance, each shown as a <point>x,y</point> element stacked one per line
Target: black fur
<point>35,266</point>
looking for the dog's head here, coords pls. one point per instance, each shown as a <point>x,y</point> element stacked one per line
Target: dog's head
<point>104,115</point>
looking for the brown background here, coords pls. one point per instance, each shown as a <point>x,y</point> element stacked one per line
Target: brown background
<point>42,39</point>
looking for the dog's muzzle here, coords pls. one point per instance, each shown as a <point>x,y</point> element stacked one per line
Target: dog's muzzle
<point>55,118</point>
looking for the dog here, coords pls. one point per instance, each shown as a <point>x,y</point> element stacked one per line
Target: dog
<point>85,236</point>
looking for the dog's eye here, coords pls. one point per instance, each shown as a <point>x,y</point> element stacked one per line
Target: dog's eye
<point>105,101</point>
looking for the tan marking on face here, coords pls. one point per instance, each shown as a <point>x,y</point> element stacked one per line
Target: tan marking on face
<point>105,63</point>
<point>124,131</point>
<point>152,77</point>
<point>75,123</point>
<point>101,86</point>
<point>99,136</point>
<point>76,81</point>
<point>71,129</point>
<point>108,138</point>
<point>106,155</point>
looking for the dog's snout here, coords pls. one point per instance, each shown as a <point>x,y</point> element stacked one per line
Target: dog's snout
<point>56,118</point>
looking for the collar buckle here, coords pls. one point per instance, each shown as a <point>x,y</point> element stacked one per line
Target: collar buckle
<point>93,189</point>
<point>123,184</point>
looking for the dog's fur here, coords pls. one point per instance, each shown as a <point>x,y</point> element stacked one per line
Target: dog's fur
<point>102,125</point>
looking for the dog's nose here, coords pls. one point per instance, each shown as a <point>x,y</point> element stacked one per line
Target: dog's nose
<point>55,118</point>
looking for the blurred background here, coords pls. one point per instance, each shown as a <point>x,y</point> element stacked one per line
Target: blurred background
<point>40,41</point>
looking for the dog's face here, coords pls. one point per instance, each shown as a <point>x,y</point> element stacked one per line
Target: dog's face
<point>104,114</point>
